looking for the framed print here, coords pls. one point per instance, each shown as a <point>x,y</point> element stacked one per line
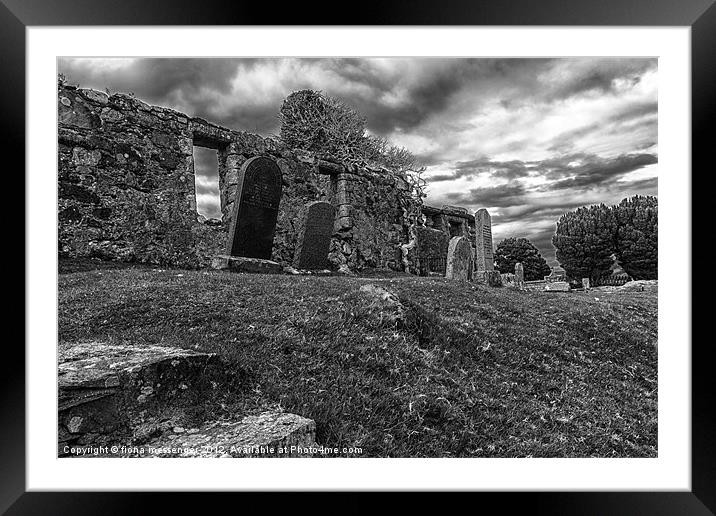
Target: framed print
<point>416,253</point>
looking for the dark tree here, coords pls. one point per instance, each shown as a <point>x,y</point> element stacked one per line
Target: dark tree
<point>513,250</point>
<point>585,242</point>
<point>637,236</point>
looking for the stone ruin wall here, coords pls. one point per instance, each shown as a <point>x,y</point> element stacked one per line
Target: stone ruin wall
<point>429,255</point>
<point>126,188</point>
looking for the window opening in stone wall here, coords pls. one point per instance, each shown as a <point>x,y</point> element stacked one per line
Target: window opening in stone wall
<point>206,181</point>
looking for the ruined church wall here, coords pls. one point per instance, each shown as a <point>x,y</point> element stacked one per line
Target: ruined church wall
<point>125,184</point>
<point>370,219</point>
<point>126,188</point>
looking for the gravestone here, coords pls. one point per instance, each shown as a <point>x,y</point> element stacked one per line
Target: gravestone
<point>484,255</point>
<point>585,284</point>
<point>485,258</point>
<point>459,259</point>
<point>519,275</point>
<point>314,236</point>
<point>256,209</point>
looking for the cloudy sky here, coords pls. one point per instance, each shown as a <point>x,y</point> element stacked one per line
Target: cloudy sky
<point>528,139</point>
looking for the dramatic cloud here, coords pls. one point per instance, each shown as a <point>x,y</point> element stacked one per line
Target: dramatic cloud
<point>528,139</point>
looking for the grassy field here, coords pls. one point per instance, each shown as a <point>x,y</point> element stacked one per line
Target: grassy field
<point>451,370</point>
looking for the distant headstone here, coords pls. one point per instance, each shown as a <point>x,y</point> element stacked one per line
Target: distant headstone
<point>485,259</point>
<point>519,275</point>
<point>256,209</point>
<point>314,236</point>
<point>557,286</point>
<point>459,259</point>
<point>585,283</point>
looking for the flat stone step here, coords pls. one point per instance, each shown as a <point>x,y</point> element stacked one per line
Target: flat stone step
<point>107,392</point>
<point>243,264</point>
<point>271,434</point>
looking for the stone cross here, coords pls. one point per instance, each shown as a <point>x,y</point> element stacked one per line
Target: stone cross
<point>459,259</point>
<point>256,209</point>
<point>315,229</point>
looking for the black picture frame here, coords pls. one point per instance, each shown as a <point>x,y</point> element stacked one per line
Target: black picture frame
<point>700,15</point>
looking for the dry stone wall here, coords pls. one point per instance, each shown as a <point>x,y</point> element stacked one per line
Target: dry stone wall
<point>126,188</point>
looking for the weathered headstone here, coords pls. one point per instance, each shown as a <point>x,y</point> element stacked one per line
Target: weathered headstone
<point>585,283</point>
<point>256,209</point>
<point>485,259</point>
<point>484,255</point>
<point>459,259</point>
<point>314,236</point>
<point>519,275</point>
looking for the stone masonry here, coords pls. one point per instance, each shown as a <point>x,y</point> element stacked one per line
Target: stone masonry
<point>127,189</point>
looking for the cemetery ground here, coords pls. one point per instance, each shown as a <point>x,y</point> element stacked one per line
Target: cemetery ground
<point>398,365</point>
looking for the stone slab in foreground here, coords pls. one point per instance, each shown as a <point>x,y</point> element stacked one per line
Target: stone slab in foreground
<point>243,264</point>
<point>252,436</point>
<point>108,392</point>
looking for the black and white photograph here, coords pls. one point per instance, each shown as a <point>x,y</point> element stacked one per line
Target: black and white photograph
<point>426,236</point>
<point>360,257</point>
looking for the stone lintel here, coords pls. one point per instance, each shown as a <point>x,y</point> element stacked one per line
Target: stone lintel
<point>329,168</point>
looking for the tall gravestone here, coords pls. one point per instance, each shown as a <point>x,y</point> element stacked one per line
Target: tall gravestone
<point>459,259</point>
<point>519,275</point>
<point>484,255</point>
<point>315,229</point>
<point>483,241</point>
<point>256,209</point>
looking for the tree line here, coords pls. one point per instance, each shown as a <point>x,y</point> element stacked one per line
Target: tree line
<point>590,239</point>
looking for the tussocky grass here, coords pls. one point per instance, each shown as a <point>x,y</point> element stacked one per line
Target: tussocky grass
<point>462,370</point>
